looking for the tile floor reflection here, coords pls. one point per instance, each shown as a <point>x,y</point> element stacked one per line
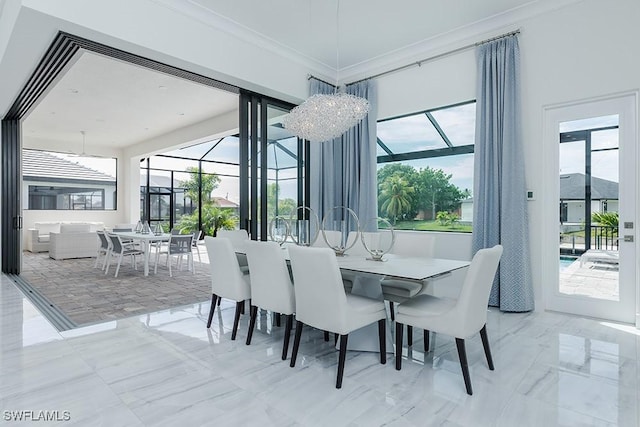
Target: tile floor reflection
<point>166,368</point>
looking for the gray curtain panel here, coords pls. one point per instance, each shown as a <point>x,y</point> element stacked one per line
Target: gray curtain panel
<point>500,204</point>
<point>343,171</point>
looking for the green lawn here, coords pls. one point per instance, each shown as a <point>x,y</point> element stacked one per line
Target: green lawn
<point>431,226</point>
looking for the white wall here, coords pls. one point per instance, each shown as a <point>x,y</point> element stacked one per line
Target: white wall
<point>583,50</point>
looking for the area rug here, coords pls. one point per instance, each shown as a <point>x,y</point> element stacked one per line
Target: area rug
<point>85,295</point>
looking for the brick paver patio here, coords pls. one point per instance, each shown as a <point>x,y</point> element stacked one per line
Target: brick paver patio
<point>86,295</point>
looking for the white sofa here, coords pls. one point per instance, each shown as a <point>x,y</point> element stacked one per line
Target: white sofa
<point>38,236</point>
<point>76,240</point>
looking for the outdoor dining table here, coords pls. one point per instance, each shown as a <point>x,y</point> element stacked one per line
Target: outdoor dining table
<point>145,239</point>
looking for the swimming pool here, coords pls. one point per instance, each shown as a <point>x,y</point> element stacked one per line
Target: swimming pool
<point>566,261</point>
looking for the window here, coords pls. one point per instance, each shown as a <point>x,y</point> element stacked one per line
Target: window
<point>57,181</point>
<point>425,169</point>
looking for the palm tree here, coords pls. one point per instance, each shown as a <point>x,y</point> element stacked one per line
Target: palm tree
<point>214,218</point>
<point>395,196</point>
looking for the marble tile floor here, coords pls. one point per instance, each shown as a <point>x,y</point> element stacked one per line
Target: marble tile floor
<point>165,368</point>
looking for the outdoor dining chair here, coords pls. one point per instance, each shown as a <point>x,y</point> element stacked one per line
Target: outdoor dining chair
<point>120,250</point>
<point>179,245</point>
<point>103,250</point>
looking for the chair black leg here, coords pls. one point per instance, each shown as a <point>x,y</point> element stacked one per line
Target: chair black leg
<point>219,300</point>
<point>326,336</point>
<point>382,337</point>
<point>296,343</point>
<point>393,316</point>
<point>239,306</point>
<point>462,354</point>
<point>335,339</point>
<point>409,335</point>
<point>252,323</point>
<point>278,320</point>
<point>426,341</point>
<point>341,359</point>
<point>214,297</point>
<point>485,344</point>
<point>287,333</point>
<point>399,330</point>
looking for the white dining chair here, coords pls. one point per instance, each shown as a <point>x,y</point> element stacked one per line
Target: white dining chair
<point>271,286</point>
<point>179,246</point>
<point>227,281</point>
<point>322,303</point>
<point>119,249</point>
<point>357,250</point>
<point>411,244</point>
<point>238,239</point>
<point>459,318</point>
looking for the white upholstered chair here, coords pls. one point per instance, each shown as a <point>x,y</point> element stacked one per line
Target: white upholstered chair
<point>227,281</point>
<point>411,244</point>
<point>322,303</point>
<point>238,239</point>
<point>459,318</point>
<point>271,286</point>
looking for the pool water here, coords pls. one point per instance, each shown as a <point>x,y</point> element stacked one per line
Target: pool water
<point>566,261</point>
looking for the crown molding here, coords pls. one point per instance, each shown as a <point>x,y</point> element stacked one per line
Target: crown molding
<point>220,22</point>
<point>454,39</point>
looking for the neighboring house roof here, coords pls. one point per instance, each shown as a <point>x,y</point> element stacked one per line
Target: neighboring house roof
<point>40,164</point>
<point>572,188</point>
<point>156,181</point>
<point>225,203</point>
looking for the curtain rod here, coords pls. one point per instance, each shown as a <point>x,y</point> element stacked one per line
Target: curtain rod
<point>438,56</point>
<point>311,76</point>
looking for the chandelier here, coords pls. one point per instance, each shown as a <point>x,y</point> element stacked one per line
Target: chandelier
<point>323,117</point>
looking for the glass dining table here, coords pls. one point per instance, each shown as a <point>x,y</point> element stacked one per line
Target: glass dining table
<point>368,278</point>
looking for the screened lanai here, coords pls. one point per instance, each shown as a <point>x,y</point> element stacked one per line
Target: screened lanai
<point>173,183</point>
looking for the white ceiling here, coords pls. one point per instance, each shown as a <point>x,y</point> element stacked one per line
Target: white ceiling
<point>119,104</point>
<point>362,30</point>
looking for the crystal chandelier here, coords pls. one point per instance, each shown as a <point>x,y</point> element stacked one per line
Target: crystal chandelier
<point>323,117</point>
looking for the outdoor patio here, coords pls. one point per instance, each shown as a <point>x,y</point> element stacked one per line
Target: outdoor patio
<point>86,295</point>
<point>594,279</point>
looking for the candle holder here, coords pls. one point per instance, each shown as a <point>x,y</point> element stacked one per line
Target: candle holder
<point>379,242</point>
<point>304,226</point>
<point>336,225</point>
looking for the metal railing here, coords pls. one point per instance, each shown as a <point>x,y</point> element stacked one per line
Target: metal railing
<point>602,237</point>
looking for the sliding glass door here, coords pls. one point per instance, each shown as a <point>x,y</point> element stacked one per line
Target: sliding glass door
<point>273,165</point>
